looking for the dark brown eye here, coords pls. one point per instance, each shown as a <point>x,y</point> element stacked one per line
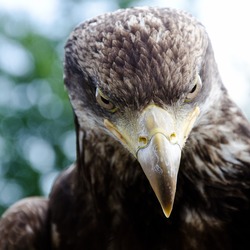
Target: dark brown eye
<point>104,102</point>
<point>195,89</point>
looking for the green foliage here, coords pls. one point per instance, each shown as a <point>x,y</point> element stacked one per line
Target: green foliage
<point>37,138</point>
<point>125,3</point>
<point>36,129</point>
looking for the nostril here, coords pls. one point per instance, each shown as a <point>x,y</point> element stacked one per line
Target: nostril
<point>143,140</point>
<point>173,138</point>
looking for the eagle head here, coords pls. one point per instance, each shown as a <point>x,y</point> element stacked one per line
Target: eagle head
<point>145,77</point>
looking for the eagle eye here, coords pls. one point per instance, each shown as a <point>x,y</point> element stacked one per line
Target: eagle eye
<point>104,102</point>
<point>195,89</point>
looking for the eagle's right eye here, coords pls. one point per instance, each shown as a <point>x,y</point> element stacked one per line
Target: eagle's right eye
<point>195,89</point>
<point>104,102</point>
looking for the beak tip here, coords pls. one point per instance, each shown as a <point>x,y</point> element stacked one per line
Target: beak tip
<point>167,211</point>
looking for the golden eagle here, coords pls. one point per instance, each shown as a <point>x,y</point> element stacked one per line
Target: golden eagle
<point>157,136</point>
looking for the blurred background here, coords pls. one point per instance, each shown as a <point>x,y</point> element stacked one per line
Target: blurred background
<point>37,137</point>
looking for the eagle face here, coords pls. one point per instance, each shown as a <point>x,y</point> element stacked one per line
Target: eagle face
<point>149,105</point>
<point>145,77</point>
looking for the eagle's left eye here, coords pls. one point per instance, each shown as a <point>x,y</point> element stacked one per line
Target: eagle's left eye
<point>104,102</point>
<point>195,89</point>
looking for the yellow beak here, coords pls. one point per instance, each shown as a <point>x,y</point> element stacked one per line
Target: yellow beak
<point>156,139</point>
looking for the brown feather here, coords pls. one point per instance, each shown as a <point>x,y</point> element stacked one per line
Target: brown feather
<point>104,201</point>
<point>25,226</point>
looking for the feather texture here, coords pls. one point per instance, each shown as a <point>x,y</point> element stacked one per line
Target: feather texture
<point>137,57</point>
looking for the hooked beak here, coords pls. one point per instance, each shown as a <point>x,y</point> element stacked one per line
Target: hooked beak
<point>156,139</point>
<point>160,162</point>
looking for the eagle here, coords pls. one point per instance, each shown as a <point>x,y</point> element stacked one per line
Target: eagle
<point>163,153</point>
